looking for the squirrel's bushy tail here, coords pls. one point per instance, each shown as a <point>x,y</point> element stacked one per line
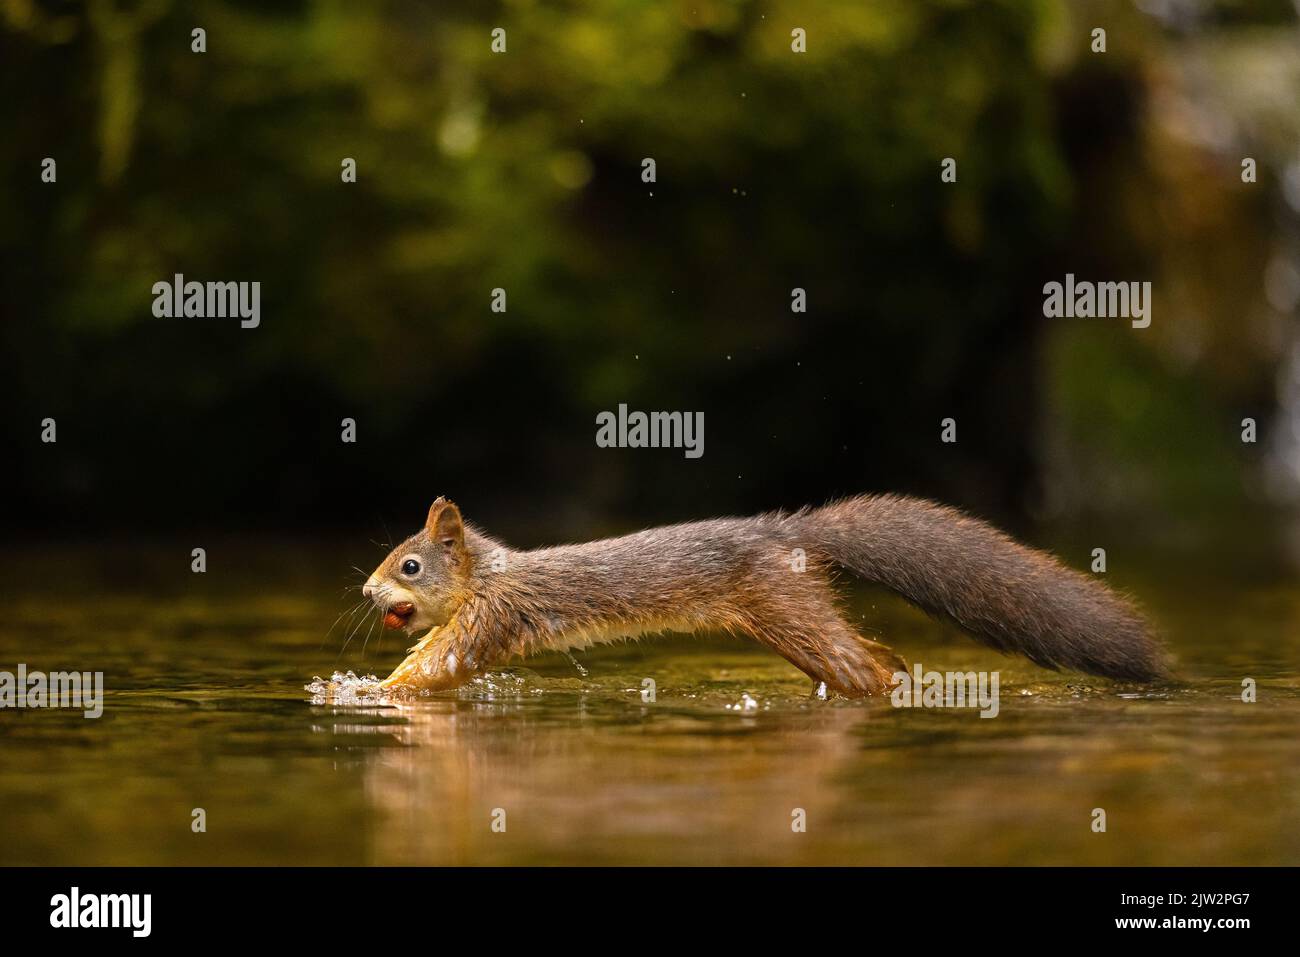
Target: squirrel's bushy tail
<point>1008,596</point>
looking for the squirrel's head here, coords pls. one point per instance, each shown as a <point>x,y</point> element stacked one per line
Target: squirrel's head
<point>423,580</point>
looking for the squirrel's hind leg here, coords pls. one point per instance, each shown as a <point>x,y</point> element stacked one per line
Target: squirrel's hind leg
<point>821,644</point>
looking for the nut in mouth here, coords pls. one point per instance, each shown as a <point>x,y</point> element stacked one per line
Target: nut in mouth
<point>399,614</point>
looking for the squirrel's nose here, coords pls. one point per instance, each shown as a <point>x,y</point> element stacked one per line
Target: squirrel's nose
<point>368,590</point>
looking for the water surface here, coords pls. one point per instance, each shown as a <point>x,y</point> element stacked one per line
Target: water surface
<point>206,708</point>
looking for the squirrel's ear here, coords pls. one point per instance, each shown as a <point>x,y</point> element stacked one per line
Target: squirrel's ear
<point>444,524</point>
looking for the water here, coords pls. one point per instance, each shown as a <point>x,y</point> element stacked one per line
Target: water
<point>206,707</point>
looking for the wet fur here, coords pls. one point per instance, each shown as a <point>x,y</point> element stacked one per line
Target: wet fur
<point>737,575</point>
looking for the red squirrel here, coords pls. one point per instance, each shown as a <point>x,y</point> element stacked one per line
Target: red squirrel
<point>478,603</point>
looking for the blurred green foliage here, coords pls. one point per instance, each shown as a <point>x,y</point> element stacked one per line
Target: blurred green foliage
<point>522,171</point>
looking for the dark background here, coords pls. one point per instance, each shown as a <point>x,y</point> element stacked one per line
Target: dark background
<point>522,171</point>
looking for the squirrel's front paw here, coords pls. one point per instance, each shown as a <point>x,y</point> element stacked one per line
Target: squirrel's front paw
<point>433,668</point>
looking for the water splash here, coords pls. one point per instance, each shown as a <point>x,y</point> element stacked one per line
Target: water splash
<point>581,670</point>
<point>345,688</point>
<point>504,684</point>
<point>349,688</point>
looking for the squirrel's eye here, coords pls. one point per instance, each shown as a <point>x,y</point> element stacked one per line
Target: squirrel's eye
<point>410,567</point>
